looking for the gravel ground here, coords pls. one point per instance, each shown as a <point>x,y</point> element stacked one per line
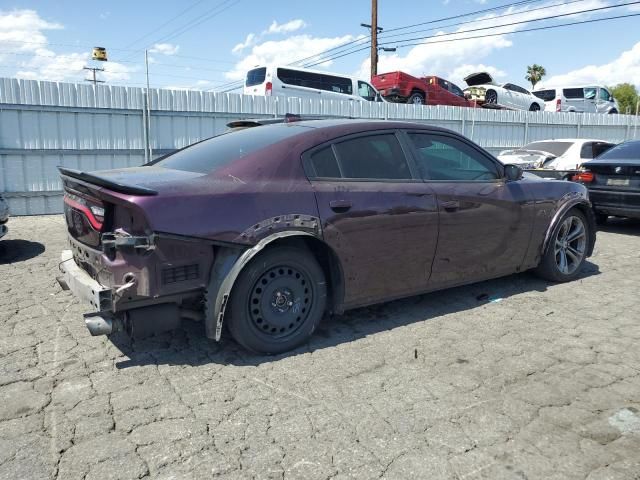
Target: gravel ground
<point>508,379</point>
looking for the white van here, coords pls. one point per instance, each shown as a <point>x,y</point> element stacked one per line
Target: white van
<point>302,83</point>
<point>589,99</point>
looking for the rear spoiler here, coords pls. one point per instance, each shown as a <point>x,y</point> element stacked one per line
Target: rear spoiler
<point>106,182</point>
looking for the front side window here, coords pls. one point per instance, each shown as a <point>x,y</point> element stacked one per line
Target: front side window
<point>589,93</point>
<point>366,91</point>
<point>604,95</point>
<point>373,157</point>
<point>446,158</point>
<point>456,90</point>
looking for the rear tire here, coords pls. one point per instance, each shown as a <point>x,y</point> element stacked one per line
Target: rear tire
<point>278,301</point>
<point>416,99</point>
<point>567,249</point>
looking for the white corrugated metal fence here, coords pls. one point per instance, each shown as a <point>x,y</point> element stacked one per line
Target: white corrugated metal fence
<point>46,124</point>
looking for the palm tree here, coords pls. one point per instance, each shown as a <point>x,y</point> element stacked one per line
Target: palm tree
<point>534,74</point>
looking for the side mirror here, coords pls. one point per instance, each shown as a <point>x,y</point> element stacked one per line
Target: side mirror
<point>512,173</point>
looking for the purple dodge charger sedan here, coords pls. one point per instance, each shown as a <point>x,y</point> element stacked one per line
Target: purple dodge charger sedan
<point>267,229</point>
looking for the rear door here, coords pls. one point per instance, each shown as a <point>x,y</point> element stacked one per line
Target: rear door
<point>485,221</point>
<point>376,213</point>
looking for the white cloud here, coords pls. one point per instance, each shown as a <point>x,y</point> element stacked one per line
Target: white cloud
<point>165,48</point>
<point>23,32</point>
<point>625,68</point>
<point>290,26</point>
<point>448,59</point>
<point>284,52</point>
<point>250,40</point>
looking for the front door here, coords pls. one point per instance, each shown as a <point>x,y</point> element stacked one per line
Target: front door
<point>377,215</point>
<point>485,221</point>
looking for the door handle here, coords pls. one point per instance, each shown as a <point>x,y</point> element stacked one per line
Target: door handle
<point>450,206</point>
<point>340,206</point>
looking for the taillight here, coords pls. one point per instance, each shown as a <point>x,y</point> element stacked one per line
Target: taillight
<point>268,88</point>
<point>94,213</point>
<point>583,177</point>
<point>558,105</point>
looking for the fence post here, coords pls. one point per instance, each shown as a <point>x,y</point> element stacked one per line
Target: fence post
<point>526,128</point>
<point>578,125</point>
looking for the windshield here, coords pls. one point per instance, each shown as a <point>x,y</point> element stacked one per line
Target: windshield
<point>210,155</point>
<point>624,151</point>
<point>555,148</point>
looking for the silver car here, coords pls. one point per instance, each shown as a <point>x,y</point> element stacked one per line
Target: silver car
<point>4,216</point>
<point>589,99</point>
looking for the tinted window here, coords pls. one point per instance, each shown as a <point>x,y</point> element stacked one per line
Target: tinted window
<point>604,94</point>
<point>589,93</point>
<point>545,95</point>
<point>555,148</point>
<point>447,158</point>
<point>456,90</point>
<point>366,91</point>
<point>256,76</point>
<point>374,156</point>
<point>209,155</point>
<point>573,93</point>
<point>318,81</point>
<point>624,151</point>
<point>443,83</point>
<point>325,164</point>
<point>518,89</point>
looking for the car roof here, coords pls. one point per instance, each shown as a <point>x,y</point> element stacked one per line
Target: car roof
<point>373,124</point>
<point>575,140</point>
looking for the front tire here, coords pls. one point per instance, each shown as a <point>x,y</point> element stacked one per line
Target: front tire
<point>491,98</point>
<point>534,107</point>
<point>567,249</point>
<point>278,301</point>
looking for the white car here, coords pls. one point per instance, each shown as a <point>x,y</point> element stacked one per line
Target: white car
<point>589,99</point>
<point>561,154</point>
<point>4,216</point>
<point>489,94</point>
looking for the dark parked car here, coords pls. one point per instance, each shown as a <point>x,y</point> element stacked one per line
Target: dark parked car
<point>613,181</point>
<point>267,228</point>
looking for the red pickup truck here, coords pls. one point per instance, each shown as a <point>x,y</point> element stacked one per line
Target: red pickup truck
<point>401,87</point>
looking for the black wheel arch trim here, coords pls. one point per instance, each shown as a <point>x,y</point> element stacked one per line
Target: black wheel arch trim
<point>230,262</point>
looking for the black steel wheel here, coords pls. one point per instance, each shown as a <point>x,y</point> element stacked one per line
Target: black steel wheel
<point>491,97</point>
<point>278,301</point>
<point>567,249</point>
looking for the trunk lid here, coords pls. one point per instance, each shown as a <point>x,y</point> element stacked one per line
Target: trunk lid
<point>98,202</point>
<point>480,78</point>
<point>622,175</point>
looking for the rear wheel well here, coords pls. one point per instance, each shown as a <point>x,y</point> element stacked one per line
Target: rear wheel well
<point>329,262</point>
<point>418,91</point>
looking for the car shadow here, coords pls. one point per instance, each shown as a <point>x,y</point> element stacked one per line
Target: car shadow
<point>189,346</point>
<point>626,226</point>
<point>12,251</point>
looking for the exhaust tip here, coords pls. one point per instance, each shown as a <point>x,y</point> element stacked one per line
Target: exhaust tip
<point>102,324</point>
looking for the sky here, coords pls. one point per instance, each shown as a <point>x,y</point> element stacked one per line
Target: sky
<point>210,44</point>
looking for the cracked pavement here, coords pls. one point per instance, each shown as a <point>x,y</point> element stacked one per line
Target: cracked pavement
<point>514,378</point>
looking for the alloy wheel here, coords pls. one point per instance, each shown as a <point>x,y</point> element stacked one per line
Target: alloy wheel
<point>570,244</point>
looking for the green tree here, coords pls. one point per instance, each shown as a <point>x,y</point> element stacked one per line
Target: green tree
<point>534,74</point>
<point>627,96</point>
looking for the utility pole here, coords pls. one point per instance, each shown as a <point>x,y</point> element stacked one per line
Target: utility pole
<point>94,80</point>
<point>375,30</point>
<point>149,148</point>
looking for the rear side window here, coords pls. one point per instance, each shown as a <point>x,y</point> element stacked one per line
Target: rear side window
<point>590,93</point>
<point>369,157</point>
<point>217,152</point>
<point>325,163</point>
<point>573,93</point>
<point>546,95</point>
<point>256,76</point>
<point>318,81</point>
